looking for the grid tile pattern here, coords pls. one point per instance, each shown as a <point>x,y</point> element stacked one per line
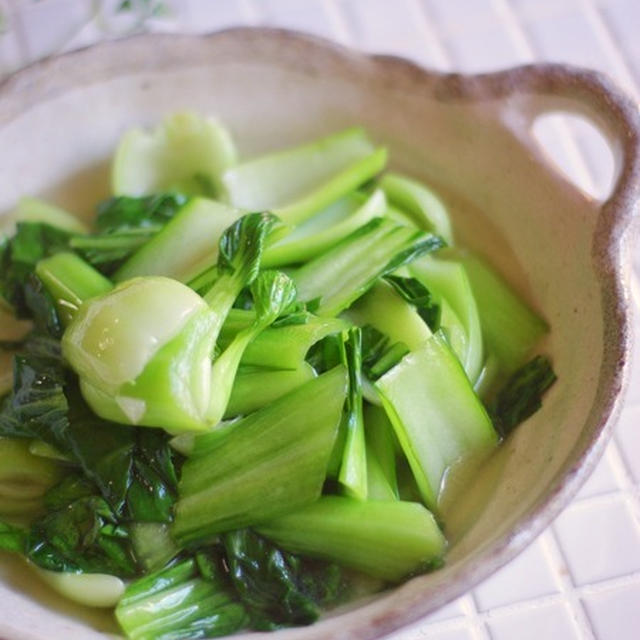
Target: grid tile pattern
<point>581,578</point>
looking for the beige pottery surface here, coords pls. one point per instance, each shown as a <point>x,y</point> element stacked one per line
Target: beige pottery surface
<point>468,136</point>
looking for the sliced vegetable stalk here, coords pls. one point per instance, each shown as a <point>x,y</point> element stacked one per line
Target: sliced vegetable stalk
<point>448,282</point>
<point>124,224</point>
<point>273,292</point>
<point>353,468</point>
<point>325,229</point>
<point>282,347</point>
<point>388,540</point>
<point>152,544</point>
<point>156,368</point>
<point>435,413</point>
<point>256,387</point>
<point>298,182</point>
<point>71,281</point>
<point>186,153</point>
<point>24,478</point>
<point>89,589</point>
<point>262,465</point>
<point>343,274</point>
<point>178,602</point>
<point>420,204</point>
<point>184,244</point>
<point>382,448</point>
<point>387,311</point>
<point>509,327</point>
<point>31,209</point>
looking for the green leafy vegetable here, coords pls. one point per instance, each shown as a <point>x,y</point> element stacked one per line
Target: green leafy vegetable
<point>147,212</point>
<point>449,284</point>
<point>186,245</point>
<point>12,538</point>
<point>296,183</point>
<point>185,153</point>
<point>346,272</point>
<point>273,293</point>
<point>125,224</point>
<point>262,465</point>
<point>19,257</point>
<point>421,205</point>
<point>521,396</point>
<point>435,413</point>
<point>81,536</point>
<point>416,294</point>
<point>256,387</point>
<point>378,353</point>
<point>352,475</point>
<point>179,602</point>
<point>324,229</point>
<point>510,328</point>
<point>69,281</point>
<point>278,588</point>
<point>353,533</point>
<point>24,478</point>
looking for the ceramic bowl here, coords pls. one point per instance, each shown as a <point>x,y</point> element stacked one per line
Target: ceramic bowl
<point>468,136</point>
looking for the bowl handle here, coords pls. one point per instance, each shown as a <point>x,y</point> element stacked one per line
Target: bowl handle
<point>538,89</point>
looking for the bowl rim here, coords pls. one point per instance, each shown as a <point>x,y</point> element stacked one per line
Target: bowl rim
<point>589,92</point>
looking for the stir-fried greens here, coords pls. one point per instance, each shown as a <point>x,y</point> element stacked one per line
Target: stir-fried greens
<point>242,389</point>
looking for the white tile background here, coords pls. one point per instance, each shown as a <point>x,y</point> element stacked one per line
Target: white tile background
<point>581,578</point>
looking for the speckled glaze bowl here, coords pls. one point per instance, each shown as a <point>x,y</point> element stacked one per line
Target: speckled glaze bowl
<point>468,136</point>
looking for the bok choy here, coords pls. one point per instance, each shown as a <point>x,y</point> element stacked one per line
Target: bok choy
<point>233,402</point>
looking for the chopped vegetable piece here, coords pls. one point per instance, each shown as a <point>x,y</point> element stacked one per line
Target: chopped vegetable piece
<point>31,209</point>
<point>19,256</point>
<point>353,468</point>
<point>179,603</point>
<point>24,478</point>
<point>521,396</point>
<point>263,465</point>
<point>255,387</point>
<point>448,282</point>
<point>185,243</point>
<point>152,544</point>
<point>435,413</point>
<point>283,347</point>
<point>509,327</point>
<point>384,309</point>
<point>344,273</point>
<point>278,588</point>
<point>323,230</point>
<point>273,293</point>
<point>186,153</point>
<point>420,203</point>
<point>297,183</point>
<point>155,370</point>
<point>124,225</point>
<point>70,281</point>
<point>389,540</point>
<point>91,589</point>
<point>12,538</point>
<point>382,447</point>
